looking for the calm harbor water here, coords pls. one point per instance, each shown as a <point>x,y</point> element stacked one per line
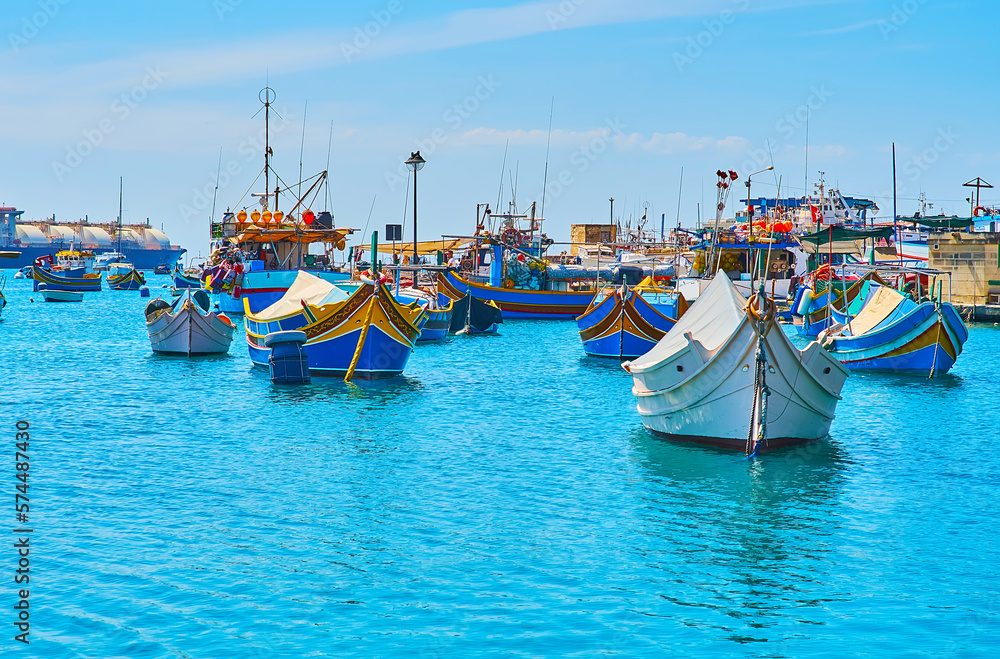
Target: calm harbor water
<point>500,500</point>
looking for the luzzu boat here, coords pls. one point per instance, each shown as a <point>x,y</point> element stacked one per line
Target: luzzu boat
<point>186,279</point>
<point>124,277</point>
<point>523,303</point>
<point>727,375</point>
<point>352,331</point>
<point>55,282</point>
<point>624,323</point>
<point>830,302</point>
<point>894,333</point>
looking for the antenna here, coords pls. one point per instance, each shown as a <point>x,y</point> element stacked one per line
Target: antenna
<point>805,179</point>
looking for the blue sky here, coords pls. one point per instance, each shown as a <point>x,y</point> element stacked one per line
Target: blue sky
<point>641,88</point>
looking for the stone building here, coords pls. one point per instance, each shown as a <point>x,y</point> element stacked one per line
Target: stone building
<point>973,259</point>
<point>591,234</point>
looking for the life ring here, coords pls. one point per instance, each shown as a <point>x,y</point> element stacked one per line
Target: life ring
<point>977,213</point>
<point>466,265</point>
<point>511,237</point>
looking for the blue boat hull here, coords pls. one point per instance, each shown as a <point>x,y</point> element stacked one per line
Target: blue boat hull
<point>520,303</point>
<point>920,342</point>
<point>626,328</point>
<point>56,283</point>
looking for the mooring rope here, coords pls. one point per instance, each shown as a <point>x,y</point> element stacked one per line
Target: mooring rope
<point>761,392</point>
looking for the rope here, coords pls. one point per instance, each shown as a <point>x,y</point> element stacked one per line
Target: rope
<point>937,342</point>
<point>761,392</point>
<point>372,301</point>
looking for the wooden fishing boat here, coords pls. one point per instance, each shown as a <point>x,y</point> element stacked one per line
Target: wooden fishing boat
<point>187,326</point>
<point>894,333</point>
<point>523,303</point>
<point>726,375</point>
<point>352,331</point>
<point>624,322</point>
<point>825,301</point>
<point>186,279</point>
<point>471,315</point>
<point>124,277</point>
<point>54,282</point>
<point>59,296</point>
<point>161,269</point>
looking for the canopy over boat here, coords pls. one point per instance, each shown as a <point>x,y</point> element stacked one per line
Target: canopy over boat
<point>292,235</point>
<point>943,222</point>
<point>835,234</point>
<point>424,247</point>
<point>306,288</point>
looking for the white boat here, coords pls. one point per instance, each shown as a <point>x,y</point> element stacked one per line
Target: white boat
<point>105,259</point>
<point>188,326</point>
<point>726,375</point>
<point>59,296</point>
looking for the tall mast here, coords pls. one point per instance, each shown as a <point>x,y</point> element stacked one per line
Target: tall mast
<point>267,97</point>
<point>121,191</point>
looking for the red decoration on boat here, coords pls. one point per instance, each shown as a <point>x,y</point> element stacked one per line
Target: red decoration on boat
<point>308,217</point>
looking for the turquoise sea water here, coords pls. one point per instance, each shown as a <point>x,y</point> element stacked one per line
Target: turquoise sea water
<point>500,500</point>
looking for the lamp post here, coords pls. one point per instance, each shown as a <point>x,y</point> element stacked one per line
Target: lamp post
<point>415,163</point>
<point>760,266</point>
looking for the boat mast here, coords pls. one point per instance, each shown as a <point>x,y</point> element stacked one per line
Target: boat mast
<point>121,191</point>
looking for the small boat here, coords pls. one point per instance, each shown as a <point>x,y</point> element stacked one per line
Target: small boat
<point>187,326</point>
<point>55,282</point>
<point>894,333</point>
<point>3,298</point>
<point>104,260</point>
<point>727,375</point>
<point>471,315</point>
<point>624,322</point>
<point>161,269</point>
<point>124,277</point>
<point>352,331</point>
<point>52,295</point>
<point>186,278</point>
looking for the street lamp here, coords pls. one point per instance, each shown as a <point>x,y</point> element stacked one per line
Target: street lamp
<point>415,163</point>
<point>760,266</point>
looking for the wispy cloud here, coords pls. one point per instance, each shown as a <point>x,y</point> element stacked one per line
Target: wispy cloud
<point>847,28</point>
<point>241,59</point>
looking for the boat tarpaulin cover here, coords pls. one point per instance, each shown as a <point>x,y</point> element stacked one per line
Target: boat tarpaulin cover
<point>883,302</point>
<point>839,233</point>
<point>711,320</point>
<point>306,288</point>
<point>481,316</point>
<point>945,223</point>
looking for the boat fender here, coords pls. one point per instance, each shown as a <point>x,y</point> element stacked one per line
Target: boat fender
<point>802,308</point>
<point>237,292</point>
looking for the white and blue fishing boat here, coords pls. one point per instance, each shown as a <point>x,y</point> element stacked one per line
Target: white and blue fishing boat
<point>625,322</point>
<point>184,279</point>
<point>352,331</point>
<point>893,332</point>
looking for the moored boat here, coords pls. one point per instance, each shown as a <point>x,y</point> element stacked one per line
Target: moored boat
<point>892,332</point>
<point>124,277</point>
<point>726,375</point>
<point>352,331</point>
<point>184,279</point>
<point>59,296</point>
<point>55,282</point>
<point>626,322</point>
<point>471,315</point>
<point>187,326</point>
